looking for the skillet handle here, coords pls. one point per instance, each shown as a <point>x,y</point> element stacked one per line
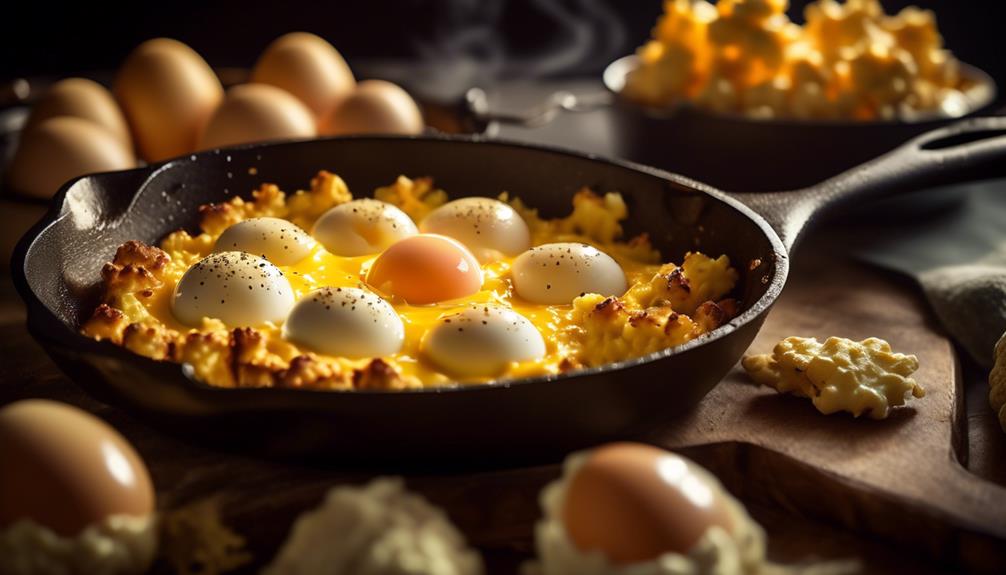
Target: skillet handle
<point>969,150</point>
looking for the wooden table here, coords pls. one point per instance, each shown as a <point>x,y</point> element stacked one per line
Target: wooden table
<point>261,498</point>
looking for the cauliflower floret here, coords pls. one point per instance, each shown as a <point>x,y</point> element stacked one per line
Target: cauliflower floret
<point>382,530</point>
<point>864,377</point>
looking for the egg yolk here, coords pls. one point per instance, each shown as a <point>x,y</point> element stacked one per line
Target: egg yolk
<point>425,269</point>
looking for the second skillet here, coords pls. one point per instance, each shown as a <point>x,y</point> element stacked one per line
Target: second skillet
<point>56,269</point>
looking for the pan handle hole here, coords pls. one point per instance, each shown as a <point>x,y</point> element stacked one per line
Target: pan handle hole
<point>962,139</point>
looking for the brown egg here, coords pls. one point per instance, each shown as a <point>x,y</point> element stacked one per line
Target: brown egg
<point>168,93</point>
<point>66,469</point>
<point>62,148</point>
<point>81,98</point>
<point>634,502</point>
<point>309,68</point>
<point>255,113</point>
<point>375,107</point>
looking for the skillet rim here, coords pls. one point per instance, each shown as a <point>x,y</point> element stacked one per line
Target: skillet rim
<point>78,343</point>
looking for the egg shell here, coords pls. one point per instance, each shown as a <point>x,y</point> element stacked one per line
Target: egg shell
<point>345,322</point>
<point>482,340</point>
<point>81,98</point>
<point>257,113</point>
<point>277,240</point>
<point>488,227</point>
<point>362,227</point>
<point>634,502</point>
<point>240,289</point>
<point>65,469</point>
<point>168,93</point>
<point>60,149</point>
<point>375,107</point>
<point>559,273</point>
<point>426,268</point>
<point>308,67</point>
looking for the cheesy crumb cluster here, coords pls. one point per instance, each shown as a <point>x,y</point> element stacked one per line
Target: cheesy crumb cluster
<point>862,378</point>
<point>666,304</point>
<point>850,60</point>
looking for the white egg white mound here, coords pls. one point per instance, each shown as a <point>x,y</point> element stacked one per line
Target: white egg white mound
<point>559,273</point>
<point>348,322</point>
<point>377,529</point>
<point>362,227</point>
<point>489,228</point>
<point>120,544</point>
<point>716,553</point>
<point>238,288</point>
<point>277,240</point>
<point>482,340</point>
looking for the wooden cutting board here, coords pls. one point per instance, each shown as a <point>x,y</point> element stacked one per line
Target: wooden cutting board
<point>892,493</point>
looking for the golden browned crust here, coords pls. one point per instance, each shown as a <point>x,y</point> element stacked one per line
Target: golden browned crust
<point>136,269</point>
<point>151,340</point>
<point>106,323</point>
<point>309,372</point>
<point>380,375</point>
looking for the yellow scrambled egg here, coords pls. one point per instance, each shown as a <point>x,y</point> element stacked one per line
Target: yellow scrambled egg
<point>861,377</point>
<point>850,61</point>
<point>666,305</point>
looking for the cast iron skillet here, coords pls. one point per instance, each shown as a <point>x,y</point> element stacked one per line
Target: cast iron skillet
<point>56,270</point>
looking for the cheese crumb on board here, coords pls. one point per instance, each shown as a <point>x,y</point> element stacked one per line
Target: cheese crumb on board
<point>862,378</point>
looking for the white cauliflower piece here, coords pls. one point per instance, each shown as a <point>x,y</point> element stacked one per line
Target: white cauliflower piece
<point>377,529</point>
<point>118,545</point>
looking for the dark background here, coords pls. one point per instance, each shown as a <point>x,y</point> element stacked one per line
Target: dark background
<point>485,39</point>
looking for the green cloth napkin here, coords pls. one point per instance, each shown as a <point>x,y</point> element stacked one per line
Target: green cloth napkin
<point>958,257</point>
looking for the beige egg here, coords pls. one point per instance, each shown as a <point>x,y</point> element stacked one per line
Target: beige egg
<point>81,98</point>
<point>256,113</point>
<point>168,93</point>
<point>65,469</point>
<point>633,503</point>
<point>375,107</point>
<point>309,68</point>
<point>60,149</point>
